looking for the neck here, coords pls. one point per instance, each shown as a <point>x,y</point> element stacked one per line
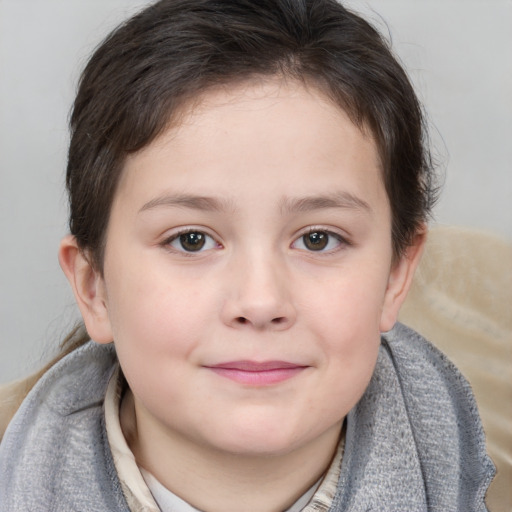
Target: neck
<point>214,480</point>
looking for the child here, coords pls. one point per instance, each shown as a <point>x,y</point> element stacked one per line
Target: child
<point>248,190</point>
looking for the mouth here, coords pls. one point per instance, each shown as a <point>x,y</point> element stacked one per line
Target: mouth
<point>252,373</point>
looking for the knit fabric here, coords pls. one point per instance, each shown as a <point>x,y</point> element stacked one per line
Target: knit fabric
<point>414,441</point>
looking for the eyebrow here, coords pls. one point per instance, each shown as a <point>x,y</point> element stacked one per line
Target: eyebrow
<point>203,203</point>
<point>343,200</point>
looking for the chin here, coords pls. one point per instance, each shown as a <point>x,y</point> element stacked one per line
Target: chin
<point>258,438</point>
<point>261,447</point>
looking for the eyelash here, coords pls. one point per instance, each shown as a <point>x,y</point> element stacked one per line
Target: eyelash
<point>167,243</point>
<point>341,241</point>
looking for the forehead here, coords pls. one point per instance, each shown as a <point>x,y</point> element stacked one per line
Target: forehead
<point>276,137</point>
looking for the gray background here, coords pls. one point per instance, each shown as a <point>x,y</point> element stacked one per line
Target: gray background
<point>458,53</point>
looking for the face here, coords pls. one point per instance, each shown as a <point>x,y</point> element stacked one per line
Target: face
<point>248,273</point>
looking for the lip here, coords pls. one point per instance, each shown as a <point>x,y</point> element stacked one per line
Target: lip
<point>253,373</point>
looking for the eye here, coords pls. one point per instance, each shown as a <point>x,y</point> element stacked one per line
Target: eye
<point>191,241</point>
<point>319,241</point>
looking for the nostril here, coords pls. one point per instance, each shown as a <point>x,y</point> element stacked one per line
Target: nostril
<point>277,322</point>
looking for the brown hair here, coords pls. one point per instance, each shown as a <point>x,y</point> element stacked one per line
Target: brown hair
<point>173,50</point>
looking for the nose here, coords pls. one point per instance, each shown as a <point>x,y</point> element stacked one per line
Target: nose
<point>259,296</point>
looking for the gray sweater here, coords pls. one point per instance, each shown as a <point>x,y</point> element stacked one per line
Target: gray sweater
<point>414,441</point>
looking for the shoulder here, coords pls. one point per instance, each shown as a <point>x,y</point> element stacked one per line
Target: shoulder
<point>62,387</point>
<point>443,415</point>
<point>461,300</point>
<point>431,385</point>
<point>433,389</point>
<point>56,442</point>
<point>422,365</point>
<point>416,428</point>
<point>11,396</point>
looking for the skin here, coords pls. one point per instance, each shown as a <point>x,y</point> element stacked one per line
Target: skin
<point>254,168</point>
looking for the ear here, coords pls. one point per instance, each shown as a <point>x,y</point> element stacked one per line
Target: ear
<point>89,289</point>
<point>400,280</point>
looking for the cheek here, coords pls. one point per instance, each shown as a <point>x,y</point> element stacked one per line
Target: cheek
<point>156,321</point>
<point>153,304</point>
<point>349,306</point>
<point>155,337</point>
<point>352,355</point>
<point>346,324</point>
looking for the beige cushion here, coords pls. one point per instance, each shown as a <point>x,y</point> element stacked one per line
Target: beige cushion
<point>461,300</point>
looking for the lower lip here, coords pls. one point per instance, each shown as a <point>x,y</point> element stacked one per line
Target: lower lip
<point>258,378</point>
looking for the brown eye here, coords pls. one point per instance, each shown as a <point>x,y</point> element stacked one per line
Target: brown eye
<point>193,241</point>
<point>316,241</point>
<point>321,241</point>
